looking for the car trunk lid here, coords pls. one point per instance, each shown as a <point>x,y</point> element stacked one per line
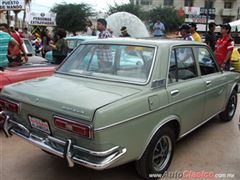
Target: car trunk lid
<point>72,96</point>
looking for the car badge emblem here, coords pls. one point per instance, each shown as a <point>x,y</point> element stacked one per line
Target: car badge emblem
<point>73,110</point>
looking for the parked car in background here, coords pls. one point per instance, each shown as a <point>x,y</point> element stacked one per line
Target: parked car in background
<point>11,75</point>
<point>72,42</point>
<point>32,58</point>
<point>120,100</point>
<point>20,73</point>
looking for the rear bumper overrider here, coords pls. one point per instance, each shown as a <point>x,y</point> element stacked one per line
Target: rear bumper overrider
<point>2,119</point>
<point>98,160</point>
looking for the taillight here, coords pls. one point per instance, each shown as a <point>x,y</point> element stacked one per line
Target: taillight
<point>9,105</point>
<point>75,127</point>
<point>12,107</point>
<point>2,103</point>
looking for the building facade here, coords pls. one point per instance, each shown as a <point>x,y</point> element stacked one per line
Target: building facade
<point>220,11</point>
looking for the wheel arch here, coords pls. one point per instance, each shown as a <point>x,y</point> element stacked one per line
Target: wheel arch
<point>172,122</point>
<point>234,87</point>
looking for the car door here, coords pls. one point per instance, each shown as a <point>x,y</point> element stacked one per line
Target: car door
<point>215,82</point>
<point>185,88</point>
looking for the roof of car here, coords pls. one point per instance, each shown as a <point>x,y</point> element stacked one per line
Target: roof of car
<point>145,41</point>
<point>81,37</point>
<point>29,65</point>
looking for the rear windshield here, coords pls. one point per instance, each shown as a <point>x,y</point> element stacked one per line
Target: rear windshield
<point>112,62</point>
<point>29,47</point>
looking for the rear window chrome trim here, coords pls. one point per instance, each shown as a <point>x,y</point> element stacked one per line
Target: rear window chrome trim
<point>115,80</point>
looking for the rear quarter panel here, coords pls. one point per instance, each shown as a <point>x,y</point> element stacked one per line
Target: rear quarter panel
<point>130,123</point>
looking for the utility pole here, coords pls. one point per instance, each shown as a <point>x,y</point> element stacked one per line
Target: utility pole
<point>238,11</point>
<point>208,4</point>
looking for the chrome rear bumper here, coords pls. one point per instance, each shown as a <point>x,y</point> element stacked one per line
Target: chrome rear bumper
<point>2,119</point>
<point>98,160</point>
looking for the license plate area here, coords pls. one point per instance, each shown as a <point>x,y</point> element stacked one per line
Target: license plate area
<point>39,124</point>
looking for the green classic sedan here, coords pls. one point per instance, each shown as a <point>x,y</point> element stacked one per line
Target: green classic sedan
<point>114,101</point>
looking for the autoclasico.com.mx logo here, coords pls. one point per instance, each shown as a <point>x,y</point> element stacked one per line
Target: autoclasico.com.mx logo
<point>189,174</point>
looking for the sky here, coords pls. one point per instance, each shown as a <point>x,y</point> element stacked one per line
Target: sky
<point>97,5</point>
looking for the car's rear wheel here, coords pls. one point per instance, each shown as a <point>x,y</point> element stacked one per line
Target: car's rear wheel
<point>228,113</point>
<point>158,155</point>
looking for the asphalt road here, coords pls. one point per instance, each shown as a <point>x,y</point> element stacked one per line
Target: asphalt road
<point>213,148</point>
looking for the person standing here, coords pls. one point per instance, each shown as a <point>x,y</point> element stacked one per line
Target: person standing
<point>45,36</point>
<point>211,38</point>
<point>16,29</point>
<point>185,32</point>
<point>104,53</point>
<point>158,29</point>
<point>26,33</point>
<point>94,33</point>
<point>124,32</point>
<point>60,48</point>
<point>224,47</point>
<point>37,43</point>
<point>194,33</point>
<point>5,39</point>
<point>102,28</point>
<point>89,28</point>
<point>18,59</point>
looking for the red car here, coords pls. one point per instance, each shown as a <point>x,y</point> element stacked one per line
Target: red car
<point>21,73</point>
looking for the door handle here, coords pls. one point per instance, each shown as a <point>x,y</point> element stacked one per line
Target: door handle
<point>174,92</point>
<point>208,83</point>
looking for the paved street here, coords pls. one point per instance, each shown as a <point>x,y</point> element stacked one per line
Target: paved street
<point>215,147</point>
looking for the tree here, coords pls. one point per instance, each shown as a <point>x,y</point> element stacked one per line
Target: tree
<point>72,17</point>
<point>168,16</point>
<point>129,7</point>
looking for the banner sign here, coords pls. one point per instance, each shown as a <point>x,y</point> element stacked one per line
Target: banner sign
<point>192,10</point>
<point>196,18</point>
<point>199,14</point>
<point>42,19</point>
<point>12,5</point>
<point>211,11</point>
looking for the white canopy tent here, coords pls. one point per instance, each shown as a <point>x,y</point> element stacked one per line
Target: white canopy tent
<point>235,25</point>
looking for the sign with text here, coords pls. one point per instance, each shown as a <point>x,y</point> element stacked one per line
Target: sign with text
<point>12,5</point>
<point>199,14</point>
<point>192,10</point>
<point>211,11</point>
<point>42,19</point>
<point>196,18</point>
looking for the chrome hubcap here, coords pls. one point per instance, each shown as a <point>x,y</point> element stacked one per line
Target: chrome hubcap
<point>162,153</point>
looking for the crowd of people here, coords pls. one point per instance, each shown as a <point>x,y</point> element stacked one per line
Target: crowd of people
<point>11,47</point>
<point>12,50</point>
<point>222,45</point>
